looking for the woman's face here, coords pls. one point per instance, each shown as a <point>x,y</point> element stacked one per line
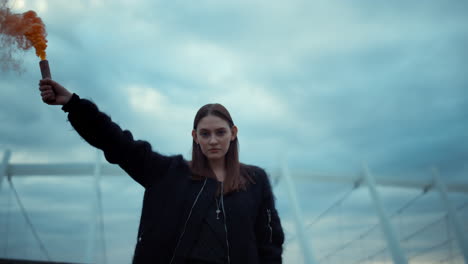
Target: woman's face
<point>214,136</point>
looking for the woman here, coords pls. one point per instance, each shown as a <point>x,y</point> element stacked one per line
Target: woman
<point>209,210</point>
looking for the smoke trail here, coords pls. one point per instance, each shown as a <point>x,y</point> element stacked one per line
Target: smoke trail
<point>20,32</point>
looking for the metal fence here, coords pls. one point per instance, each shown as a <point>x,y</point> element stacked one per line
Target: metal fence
<point>390,237</point>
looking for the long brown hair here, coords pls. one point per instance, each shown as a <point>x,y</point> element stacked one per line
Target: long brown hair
<point>236,173</point>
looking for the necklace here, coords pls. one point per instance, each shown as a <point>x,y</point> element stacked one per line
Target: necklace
<point>218,204</point>
<point>217,207</point>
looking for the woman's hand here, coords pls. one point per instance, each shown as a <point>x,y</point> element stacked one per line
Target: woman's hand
<point>53,93</point>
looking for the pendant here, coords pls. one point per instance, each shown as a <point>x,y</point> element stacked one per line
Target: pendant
<point>217,213</point>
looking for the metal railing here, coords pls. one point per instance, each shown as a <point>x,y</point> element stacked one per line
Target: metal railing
<point>364,179</point>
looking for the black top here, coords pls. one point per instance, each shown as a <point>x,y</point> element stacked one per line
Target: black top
<point>211,244</point>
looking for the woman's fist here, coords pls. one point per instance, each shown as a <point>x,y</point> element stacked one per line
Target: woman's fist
<point>53,93</point>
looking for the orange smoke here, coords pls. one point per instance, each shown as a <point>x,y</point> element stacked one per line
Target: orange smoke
<point>23,30</point>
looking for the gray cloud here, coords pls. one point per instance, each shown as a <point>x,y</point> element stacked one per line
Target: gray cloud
<point>330,83</point>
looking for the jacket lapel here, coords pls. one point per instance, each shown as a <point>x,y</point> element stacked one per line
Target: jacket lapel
<point>196,214</point>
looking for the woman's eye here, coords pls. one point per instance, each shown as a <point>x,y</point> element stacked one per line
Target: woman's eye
<point>220,133</point>
<point>204,134</point>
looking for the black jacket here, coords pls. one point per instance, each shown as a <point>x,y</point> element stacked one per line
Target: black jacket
<point>174,205</point>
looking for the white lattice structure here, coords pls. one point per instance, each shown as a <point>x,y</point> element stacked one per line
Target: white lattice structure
<point>288,179</point>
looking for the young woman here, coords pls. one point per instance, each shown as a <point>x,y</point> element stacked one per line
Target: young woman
<point>212,209</point>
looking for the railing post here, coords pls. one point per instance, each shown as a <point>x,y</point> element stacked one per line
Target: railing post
<point>452,214</point>
<point>392,241</point>
<point>299,223</point>
<point>4,169</point>
<point>95,231</point>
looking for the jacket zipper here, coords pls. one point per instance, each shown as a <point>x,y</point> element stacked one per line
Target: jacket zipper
<point>269,225</point>
<point>186,221</point>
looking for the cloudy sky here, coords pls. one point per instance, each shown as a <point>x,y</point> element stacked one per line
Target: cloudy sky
<point>326,84</point>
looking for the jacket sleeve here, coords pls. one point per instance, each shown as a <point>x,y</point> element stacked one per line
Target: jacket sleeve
<point>269,232</point>
<point>134,156</point>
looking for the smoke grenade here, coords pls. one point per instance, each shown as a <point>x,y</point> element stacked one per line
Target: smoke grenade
<point>45,70</point>
<point>20,31</point>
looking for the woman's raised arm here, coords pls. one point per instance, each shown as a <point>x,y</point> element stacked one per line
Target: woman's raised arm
<point>134,156</point>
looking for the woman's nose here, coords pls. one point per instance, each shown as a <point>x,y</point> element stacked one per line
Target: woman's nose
<point>213,140</point>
